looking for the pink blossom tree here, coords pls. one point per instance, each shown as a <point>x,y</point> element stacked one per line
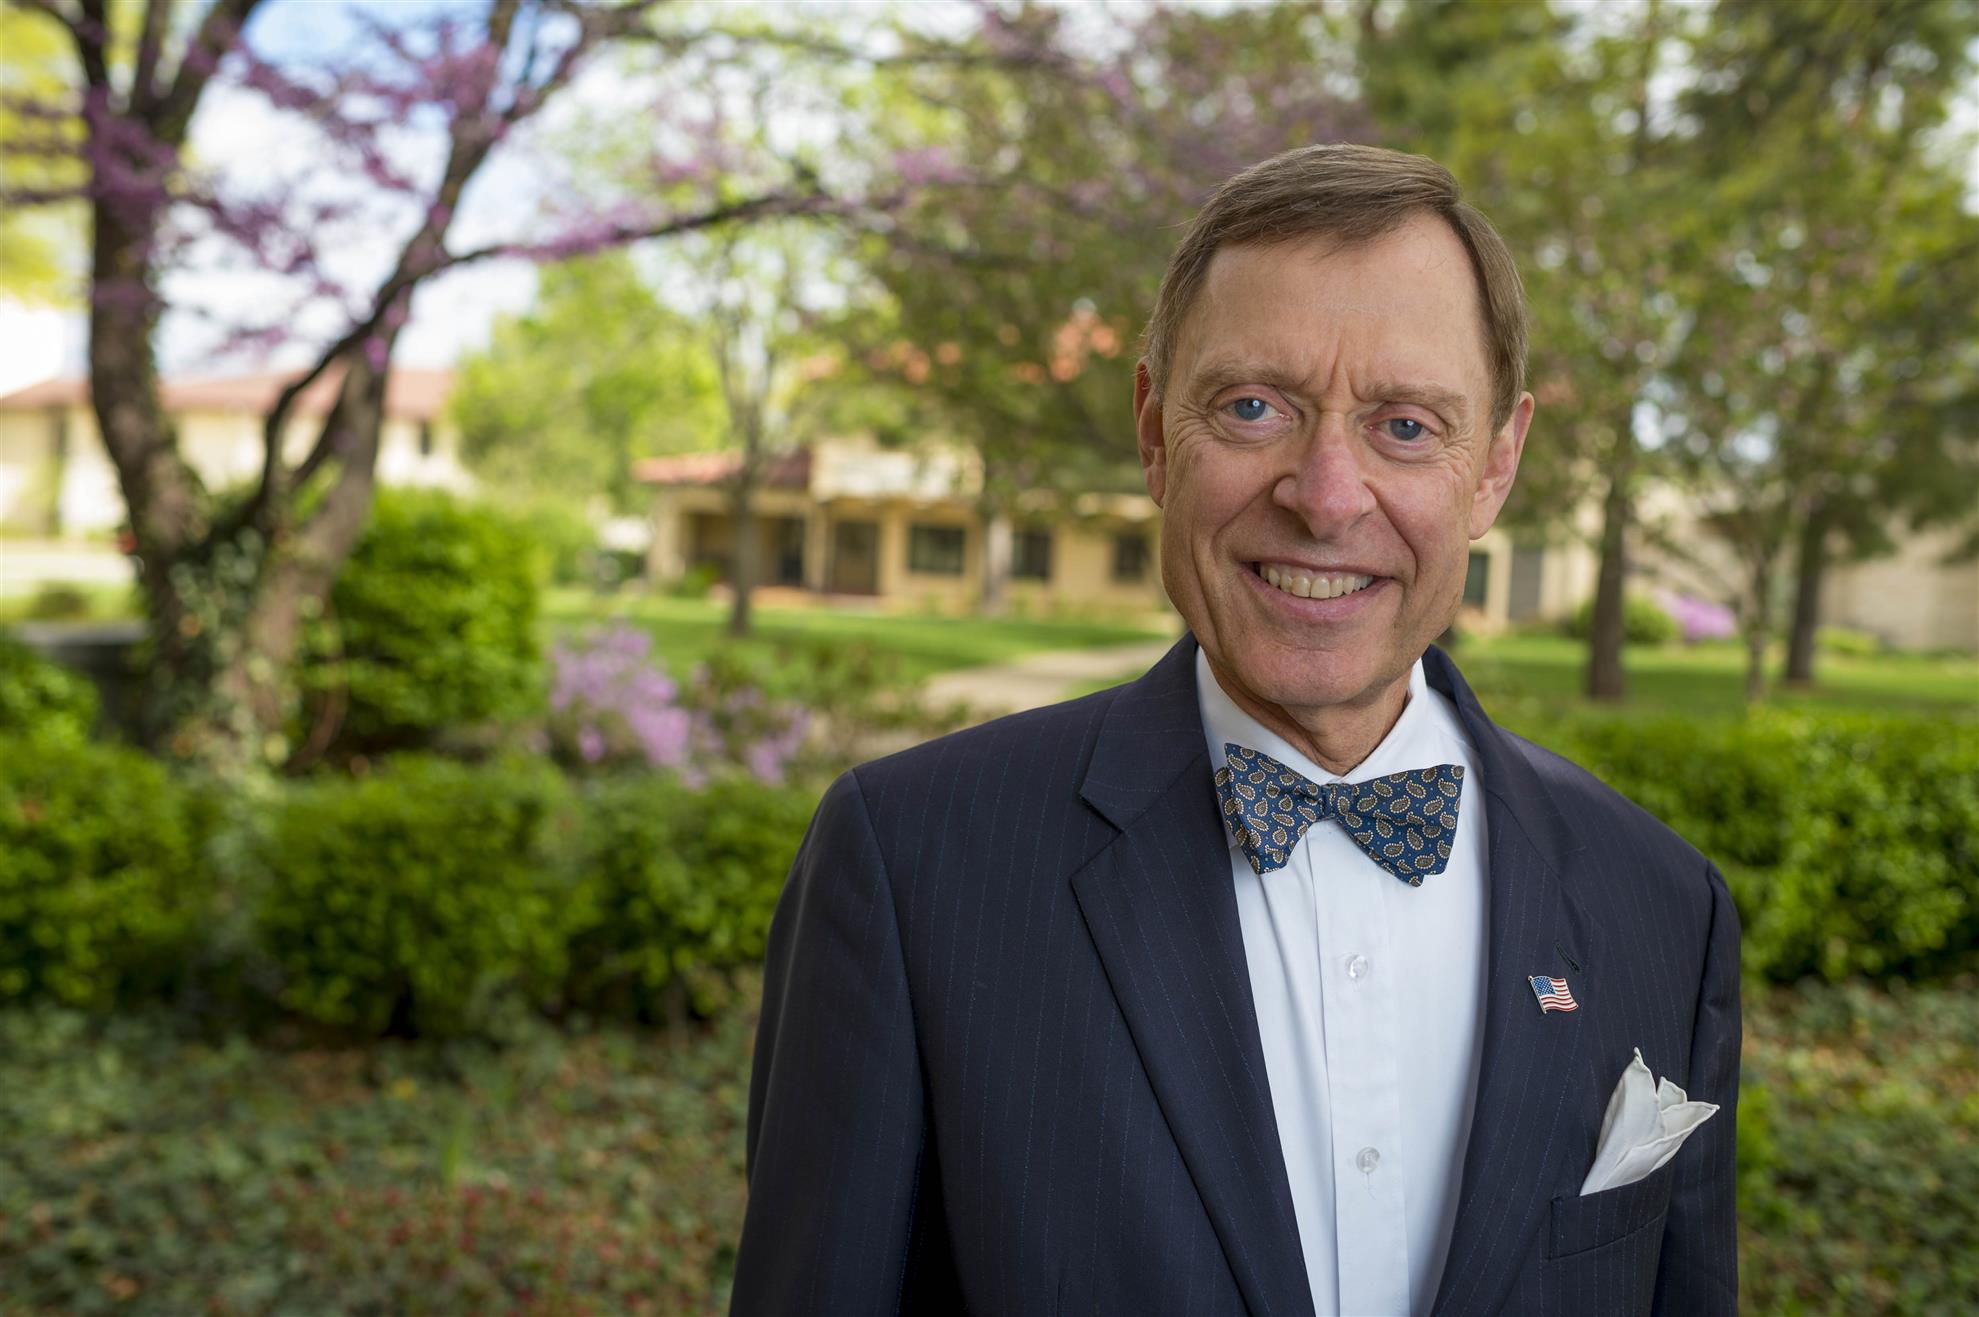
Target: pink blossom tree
<point>229,579</point>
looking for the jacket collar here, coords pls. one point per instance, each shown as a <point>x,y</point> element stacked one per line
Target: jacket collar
<point>1163,917</point>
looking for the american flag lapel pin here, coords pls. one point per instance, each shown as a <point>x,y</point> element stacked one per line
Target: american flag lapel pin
<point>1553,994</point>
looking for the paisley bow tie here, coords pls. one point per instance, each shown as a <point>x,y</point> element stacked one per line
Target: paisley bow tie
<point>1405,821</point>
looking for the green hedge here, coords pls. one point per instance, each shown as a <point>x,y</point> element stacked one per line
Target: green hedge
<point>1850,842</point>
<point>102,886</point>
<point>433,625</point>
<point>676,884</point>
<point>1643,622</point>
<point>415,899</point>
<point>40,697</point>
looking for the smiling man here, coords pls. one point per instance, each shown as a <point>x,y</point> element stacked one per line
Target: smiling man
<point>1280,980</point>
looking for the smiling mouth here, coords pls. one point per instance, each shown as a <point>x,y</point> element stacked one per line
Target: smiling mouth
<point>1311,585</point>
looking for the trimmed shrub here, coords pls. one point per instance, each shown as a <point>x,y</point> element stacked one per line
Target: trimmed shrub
<point>102,891</point>
<point>434,624</point>
<point>39,697</point>
<point>58,602</point>
<point>1850,842</point>
<point>677,886</point>
<point>1643,622</point>
<point>414,900</point>
<point>1848,641</point>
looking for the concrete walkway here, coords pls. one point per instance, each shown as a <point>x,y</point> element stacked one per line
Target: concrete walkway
<point>1039,679</point>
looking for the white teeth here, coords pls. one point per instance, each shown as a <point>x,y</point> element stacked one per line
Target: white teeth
<point>1327,585</point>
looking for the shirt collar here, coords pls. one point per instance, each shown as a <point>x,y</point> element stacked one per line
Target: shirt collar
<point>1419,738</point>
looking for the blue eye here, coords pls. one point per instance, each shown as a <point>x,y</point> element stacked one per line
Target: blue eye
<point>1249,409</point>
<point>1405,427</point>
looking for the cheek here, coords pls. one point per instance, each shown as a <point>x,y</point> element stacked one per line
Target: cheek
<point>1432,517</point>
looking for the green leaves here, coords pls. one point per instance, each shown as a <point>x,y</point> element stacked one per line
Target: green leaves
<point>433,623</point>
<point>597,374</point>
<point>1850,842</point>
<point>101,885</point>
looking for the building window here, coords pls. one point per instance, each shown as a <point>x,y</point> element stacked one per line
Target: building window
<point>1030,555</point>
<point>1130,558</point>
<point>1476,578</point>
<point>934,550</point>
<point>786,550</point>
<point>425,438</point>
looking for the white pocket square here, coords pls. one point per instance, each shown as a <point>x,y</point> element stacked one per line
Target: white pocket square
<point>1646,1123</point>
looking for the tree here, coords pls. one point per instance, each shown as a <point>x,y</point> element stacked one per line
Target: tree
<point>228,580</point>
<point>1057,166</point>
<point>1553,130</point>
<point>1830,389</point>
<point>1815,378</point>
<point>769,296</point>
<point>599,372</point>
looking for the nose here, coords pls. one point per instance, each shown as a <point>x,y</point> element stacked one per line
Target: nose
<point>1327,488</point>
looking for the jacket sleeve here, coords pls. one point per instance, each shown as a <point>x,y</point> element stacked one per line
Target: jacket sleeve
<point>1698,1273</point>
<point>837,1126</point>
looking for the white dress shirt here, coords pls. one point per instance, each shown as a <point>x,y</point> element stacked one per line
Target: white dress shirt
<point>1370,1005</point>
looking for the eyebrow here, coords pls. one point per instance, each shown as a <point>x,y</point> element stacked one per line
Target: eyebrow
<point>1446,403</point>
<point>1220,375</point>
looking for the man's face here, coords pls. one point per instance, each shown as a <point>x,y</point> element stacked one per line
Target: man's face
<point>1323,456</point>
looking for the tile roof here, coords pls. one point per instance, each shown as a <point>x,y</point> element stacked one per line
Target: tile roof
<point>791,470</point>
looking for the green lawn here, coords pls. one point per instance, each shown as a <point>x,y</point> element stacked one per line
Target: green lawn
<point>1710,679</point>
<point>685,630</point>
<point>603,1171</point>
<point>1531,677</point>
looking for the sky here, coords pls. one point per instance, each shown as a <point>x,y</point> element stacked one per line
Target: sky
<point>238,134</point>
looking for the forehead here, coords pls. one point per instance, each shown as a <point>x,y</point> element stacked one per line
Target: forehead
<point>1403,306</point>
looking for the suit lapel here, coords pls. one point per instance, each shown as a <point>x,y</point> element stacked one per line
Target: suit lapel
<point>1163,916</point>
<point>1518,1145</point>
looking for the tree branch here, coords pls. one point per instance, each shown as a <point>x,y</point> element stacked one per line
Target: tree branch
<point>157,16</point>
<point>219,31</point>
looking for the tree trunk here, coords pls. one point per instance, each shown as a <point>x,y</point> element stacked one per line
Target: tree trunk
<point>1605,679</point>
<point>1811,565</point>
<point>226,609</point>
<point>742,555</point>
<point>1756,630</point>
<point>997,538</point>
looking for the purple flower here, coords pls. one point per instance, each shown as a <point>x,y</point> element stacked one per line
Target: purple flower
<point>1698,619</point>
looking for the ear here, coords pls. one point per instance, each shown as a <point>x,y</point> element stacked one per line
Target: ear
<point>1501,467</point>
<point>1148,433</point>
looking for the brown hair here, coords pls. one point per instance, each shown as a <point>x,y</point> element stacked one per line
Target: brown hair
<point>1355,194</point>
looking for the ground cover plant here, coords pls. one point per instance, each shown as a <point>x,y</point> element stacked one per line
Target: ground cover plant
<point>599,1169</point>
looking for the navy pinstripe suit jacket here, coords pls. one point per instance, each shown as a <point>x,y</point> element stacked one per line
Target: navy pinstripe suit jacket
<point>1009,1063</point>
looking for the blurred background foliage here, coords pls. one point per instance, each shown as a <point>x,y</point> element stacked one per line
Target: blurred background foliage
<point>439,998</point>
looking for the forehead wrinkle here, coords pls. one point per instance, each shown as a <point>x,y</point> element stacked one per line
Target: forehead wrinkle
<point>1216,376</point>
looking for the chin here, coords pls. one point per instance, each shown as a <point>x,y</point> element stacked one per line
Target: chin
<point>1293,679</point>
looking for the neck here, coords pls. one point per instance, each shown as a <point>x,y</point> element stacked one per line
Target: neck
<point>1337,737</point>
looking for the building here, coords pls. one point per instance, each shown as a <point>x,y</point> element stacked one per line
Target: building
<point>848,518</point>
<point>59,498</point>
<point>851,519</point>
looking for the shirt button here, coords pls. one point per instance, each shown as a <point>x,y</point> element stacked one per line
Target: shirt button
<point>1358,968</point>
<point>1367,1159</point>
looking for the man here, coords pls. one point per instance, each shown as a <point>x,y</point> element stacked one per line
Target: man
<point>1140,1004</point>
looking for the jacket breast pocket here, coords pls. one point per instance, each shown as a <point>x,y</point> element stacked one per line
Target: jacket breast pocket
<point>1582,1223</point>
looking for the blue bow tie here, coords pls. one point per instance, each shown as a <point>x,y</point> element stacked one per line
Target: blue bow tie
<point>1405,821</point>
